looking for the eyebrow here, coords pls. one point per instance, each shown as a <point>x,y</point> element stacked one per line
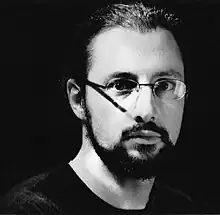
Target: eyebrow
<point>119,74</point>
<point>167,73</point>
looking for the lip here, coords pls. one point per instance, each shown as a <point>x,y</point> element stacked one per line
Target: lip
<point>148,138</point>
<point>144,140</point>
<point>132,142</point>
<point>145,135</point>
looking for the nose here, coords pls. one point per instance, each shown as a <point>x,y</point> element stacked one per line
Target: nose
<point>144,106</point>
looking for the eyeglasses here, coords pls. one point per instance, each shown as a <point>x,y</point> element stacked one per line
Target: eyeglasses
<point>165,89</point>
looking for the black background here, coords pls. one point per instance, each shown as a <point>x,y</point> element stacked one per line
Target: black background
<point>39,129</point>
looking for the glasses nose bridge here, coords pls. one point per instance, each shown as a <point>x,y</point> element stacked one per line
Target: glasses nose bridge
<point>140,86</point>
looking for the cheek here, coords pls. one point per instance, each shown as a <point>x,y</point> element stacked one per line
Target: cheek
<point>99,106</point>
<point>172,117</point>
<point>106,119</point>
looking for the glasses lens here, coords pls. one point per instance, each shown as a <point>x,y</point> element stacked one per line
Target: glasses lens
<point>122,85</point>
<point>170,89</point>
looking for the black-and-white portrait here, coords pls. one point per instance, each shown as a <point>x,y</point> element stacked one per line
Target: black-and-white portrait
<point>115,110</point>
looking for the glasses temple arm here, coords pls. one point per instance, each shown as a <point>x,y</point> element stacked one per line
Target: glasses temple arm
<point>109,98</point>
<point>96,87</point>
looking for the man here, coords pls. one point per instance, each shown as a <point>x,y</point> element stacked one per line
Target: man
<point>131,102</point>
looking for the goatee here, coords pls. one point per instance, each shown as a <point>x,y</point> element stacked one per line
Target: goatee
<point>122,166</point>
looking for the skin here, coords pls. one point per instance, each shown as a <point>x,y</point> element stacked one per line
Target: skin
<point>143,55</point>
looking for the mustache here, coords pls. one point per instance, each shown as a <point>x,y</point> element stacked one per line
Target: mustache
<point>151,126</point>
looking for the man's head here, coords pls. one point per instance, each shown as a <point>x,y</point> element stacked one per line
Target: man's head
<point>134,43</point>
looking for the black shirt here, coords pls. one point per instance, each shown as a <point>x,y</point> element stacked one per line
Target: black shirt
<point>61,191</point>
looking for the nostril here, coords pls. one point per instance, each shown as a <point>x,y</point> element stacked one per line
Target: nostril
<point>139,119</point>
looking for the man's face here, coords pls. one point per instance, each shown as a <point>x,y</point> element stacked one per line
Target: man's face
<point>144,56</point>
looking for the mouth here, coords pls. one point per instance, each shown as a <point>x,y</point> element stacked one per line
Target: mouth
<point>143,144</point>
<point>144,139</point>
<point>145,134</point>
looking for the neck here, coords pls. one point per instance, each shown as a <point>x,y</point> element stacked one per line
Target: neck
<point>133,194</point>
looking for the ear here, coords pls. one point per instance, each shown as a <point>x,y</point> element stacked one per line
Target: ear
<point>75,98</point>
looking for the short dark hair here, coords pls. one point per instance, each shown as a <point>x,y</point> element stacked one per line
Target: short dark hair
<point>135,16</point>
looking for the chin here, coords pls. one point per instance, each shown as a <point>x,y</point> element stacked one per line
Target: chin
<point>136,155</point>
<point>145,152</point>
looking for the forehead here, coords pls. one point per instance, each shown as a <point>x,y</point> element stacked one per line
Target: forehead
<point>129,51</point>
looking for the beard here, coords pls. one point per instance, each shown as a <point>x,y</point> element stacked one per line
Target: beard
<point>121,165</point>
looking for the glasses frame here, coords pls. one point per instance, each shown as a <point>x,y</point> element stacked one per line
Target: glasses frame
<point>97,87</point>
<point>152,86</point>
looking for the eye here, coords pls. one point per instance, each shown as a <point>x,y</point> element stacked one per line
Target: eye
<point>165,85</point>
<point>122,85</point>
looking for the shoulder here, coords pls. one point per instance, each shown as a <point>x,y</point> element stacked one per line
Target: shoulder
<point>28,197</point>
<point>170,199</point>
